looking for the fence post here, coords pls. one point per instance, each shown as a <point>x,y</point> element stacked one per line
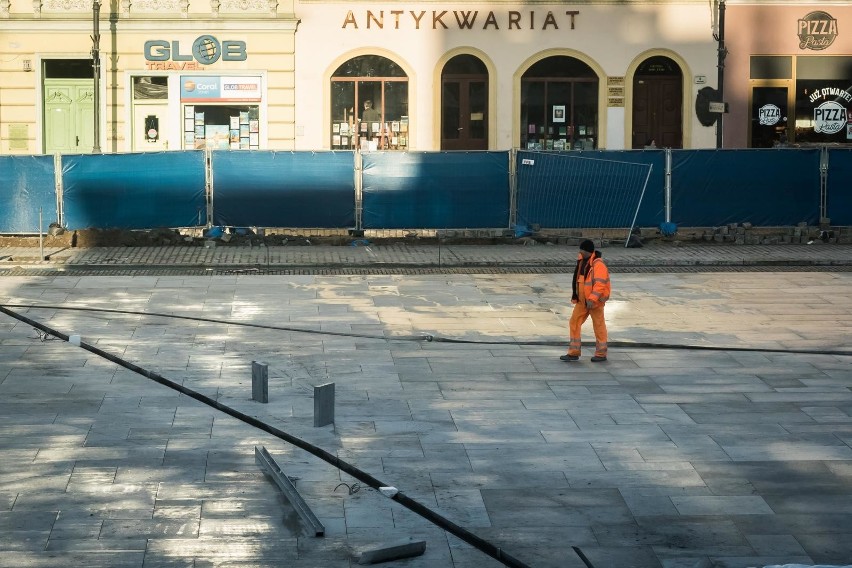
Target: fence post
<point>823,188</point>
<point>59,189</point>
<point>208,184</point>
<point>513,188</point>
<point>359,194</point>
<point>668,184</point>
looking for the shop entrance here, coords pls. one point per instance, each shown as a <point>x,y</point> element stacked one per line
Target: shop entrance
<point>69,108</point>
<point>464,104</point>
<point>658,104</point>
<point>769,116</point>
<point>151,125</point>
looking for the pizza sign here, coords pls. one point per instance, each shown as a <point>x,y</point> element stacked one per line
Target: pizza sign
<point>817,31</point>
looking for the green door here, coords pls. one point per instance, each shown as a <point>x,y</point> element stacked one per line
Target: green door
<point>69,116</point>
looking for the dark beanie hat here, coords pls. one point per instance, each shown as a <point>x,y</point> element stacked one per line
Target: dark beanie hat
<point>587,246</point>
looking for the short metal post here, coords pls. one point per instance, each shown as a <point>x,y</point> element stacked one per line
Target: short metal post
<point>259,381</point>
<point>323,405</point>
<point>40,235</point>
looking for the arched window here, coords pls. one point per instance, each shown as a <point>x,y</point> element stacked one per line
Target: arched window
<point>559,105</point>
<point>369,105</point>
<point>464,104</point>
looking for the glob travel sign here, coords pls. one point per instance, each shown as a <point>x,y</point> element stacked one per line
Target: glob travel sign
<point>205,50</point>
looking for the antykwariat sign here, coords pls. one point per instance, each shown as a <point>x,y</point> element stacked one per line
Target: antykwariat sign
<point>460,19</point>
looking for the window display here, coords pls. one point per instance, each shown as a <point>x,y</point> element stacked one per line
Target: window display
<point>378,89</point>
<point>559,105</point>
<point>221,127</point>
<point>216,113</point>
<point>819,100</point>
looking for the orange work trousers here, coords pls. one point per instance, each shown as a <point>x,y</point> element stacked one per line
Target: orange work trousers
<point>578,317</point>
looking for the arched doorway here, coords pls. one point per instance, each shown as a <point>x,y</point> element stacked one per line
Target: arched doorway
<point>559,105</point>
<point>658,104</point>
<point>464,104</point>
<point>369,105</point>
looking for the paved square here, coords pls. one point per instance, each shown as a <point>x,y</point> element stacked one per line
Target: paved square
<point>657,458</point>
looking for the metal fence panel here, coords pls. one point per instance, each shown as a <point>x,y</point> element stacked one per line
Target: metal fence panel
<point>134,191</point>
<point>284,189</point>
<point>435,190</point>
<point>590,188</point>
<point>27,184</point>
<point>769,187</point>
<point>839,200</point>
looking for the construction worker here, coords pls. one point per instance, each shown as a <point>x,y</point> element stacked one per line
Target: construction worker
<point>590,291</point>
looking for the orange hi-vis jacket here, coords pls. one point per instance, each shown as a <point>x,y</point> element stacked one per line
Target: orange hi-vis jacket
<point>594,285</point>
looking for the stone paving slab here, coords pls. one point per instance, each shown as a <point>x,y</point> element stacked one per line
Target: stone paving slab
<point>658,458</point>
<point>414,254</point>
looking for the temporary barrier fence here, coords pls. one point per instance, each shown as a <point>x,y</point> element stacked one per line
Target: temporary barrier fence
<point>424,190</point>
<point>838,200</point>
<point>133,191</point>
<point>283,189</point>
<point>27,186</point>
<point>767,188</point>
<point>435,190</point>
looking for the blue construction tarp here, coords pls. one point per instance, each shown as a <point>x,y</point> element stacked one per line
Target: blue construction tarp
<point>134,191</point>
<point>27,185</point>
<point>435,190</point>
<point>839,190</point>
<point>766,187</point>
<point>590,189</point>
<point>284,189</point>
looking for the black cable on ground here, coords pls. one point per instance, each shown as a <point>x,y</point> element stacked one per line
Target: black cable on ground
<point>438,339</point>
<point>428,514</point>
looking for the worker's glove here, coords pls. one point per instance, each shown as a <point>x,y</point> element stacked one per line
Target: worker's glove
<point>590,304</point>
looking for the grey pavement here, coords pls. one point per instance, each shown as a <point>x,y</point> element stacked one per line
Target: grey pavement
<point>657,458</point>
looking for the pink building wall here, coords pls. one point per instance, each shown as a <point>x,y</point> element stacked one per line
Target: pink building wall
<point>769,29</point>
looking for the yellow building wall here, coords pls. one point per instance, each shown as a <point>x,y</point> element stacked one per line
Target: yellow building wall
<point>27,38</point>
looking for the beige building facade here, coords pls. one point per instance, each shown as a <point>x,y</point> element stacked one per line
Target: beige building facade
<point>175,74</point>
<point>320,75</point>
<point>497,75</point>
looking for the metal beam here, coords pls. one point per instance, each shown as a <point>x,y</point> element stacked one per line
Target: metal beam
<point>269,466</point>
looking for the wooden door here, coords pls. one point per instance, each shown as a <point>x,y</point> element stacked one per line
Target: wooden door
<point>657,111</point>
<point>68,116</point>
<point>464,113</point>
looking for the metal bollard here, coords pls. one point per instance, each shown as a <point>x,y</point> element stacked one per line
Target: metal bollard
<point>259,381</point>
<point>323,405</point>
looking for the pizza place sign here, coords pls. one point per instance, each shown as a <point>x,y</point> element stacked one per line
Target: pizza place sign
<point>817,31</point>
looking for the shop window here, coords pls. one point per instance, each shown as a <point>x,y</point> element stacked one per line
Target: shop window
<point>559,105</point>
<point>220,112</point>
<point>823,100</point>
<point>369,105</point>
<point>770,67</point>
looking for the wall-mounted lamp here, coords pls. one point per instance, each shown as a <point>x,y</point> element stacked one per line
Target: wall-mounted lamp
<point>28,64</point>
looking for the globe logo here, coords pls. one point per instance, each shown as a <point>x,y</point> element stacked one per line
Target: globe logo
<point>206,49</point>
